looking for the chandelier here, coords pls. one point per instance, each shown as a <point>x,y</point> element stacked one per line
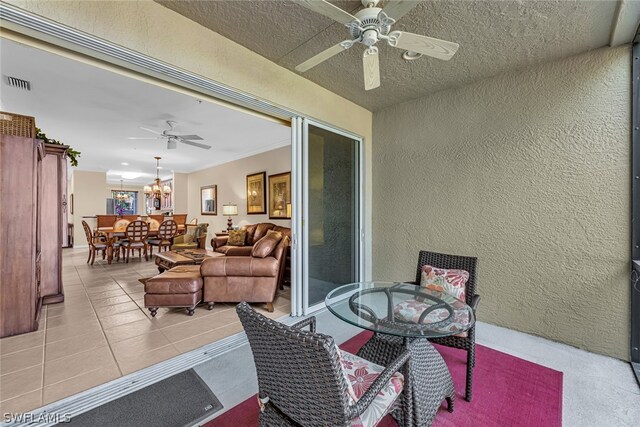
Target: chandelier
<point>157,190</point>
<point>121,196</point>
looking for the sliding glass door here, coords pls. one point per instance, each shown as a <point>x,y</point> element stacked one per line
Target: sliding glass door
<point>330,222</point>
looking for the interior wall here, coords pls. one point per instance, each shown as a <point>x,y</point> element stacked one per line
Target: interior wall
<point>230,179</point>
<point>180,192</point>
<point>88,200</point>
<point>530,172</point>
<point>142,27</point>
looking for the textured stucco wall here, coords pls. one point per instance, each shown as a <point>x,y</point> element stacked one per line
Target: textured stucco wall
<point>530,172</point>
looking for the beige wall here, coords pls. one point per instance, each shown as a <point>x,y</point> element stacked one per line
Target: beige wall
<point>530,172</point>
<point>143,26</point>
<point>88,200</point>
<point>231,181</point>
<point>180,193</point>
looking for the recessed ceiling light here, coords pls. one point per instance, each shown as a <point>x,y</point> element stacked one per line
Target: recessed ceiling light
<point>131,175</point>
<point>410,56</point>
<point>124,164</point>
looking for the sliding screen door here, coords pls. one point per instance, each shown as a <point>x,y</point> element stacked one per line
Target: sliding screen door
<point>331,224</point>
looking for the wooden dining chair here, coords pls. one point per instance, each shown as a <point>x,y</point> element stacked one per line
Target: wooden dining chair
<point>166,232</point>
<point>136,238</point>
<point>159,218</point>
<point>96,243</point>
<point>130,217</point>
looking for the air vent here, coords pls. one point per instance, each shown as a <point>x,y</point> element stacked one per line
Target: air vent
<point>18,83</point>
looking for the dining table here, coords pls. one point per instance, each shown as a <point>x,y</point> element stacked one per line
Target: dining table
<point>403,317</point>
<point>112,234</point>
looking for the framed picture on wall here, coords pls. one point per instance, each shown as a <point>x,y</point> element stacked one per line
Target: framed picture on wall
<point>256,193</point>
<point>209,200</point>
<point>280,196</point>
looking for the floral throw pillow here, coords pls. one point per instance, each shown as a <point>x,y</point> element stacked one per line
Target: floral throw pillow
<point>450,281</point>
<point>237,237</point>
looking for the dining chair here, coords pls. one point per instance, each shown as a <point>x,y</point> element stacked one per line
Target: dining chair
<point>130,217</point>
<point>317,384</point>
<point>194,221</point>
<point>181,220</point>
<point>166,232</point>
<point>159,218</point>
<point>466,341</point>
<point>96,243</point>
<point>136,238</point>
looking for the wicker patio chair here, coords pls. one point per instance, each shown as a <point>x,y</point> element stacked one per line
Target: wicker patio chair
<point>307,387</point>
<point>467,343</point>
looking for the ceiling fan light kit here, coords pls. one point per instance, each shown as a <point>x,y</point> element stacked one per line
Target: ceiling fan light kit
<point>370,25</point>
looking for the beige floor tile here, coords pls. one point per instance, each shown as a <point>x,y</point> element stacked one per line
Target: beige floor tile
<point>71,318</point>
<point>20,382</point>
<point>208,337</point>
<point>71,366</point>
<point>85,381</point>
<point>73,345</point>
<point>137,295</point>
<point>109,310</point>
<point>199,326</point>
<point>129,330</point>
<point>72,329</point>
<point>104,292</point>
<point>142,344</point>
<point>111,301</point>
<point>22,404</point>
<point>69,310</point>
<point>21,360</point>
<point>128,365</point>
<point>119,319</point>
<point>21,342</point>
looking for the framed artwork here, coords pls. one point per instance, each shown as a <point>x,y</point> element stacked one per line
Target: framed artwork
<point>256,193</point>
<point>280,196</point>
<point>209,200</point>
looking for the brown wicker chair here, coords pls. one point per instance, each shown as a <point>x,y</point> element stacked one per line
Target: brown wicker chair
<point>467,343</point>
<point>166,232</point>
<point>307,387</point>
<point>136,238</point>
<point>96,243</point>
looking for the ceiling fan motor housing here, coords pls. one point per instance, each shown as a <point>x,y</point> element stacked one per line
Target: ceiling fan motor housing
<point>370,26</point>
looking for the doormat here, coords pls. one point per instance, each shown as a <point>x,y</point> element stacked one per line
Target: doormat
<point>179,400</point>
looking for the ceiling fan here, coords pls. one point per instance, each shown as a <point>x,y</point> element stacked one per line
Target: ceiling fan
<point>172,137</point>
<point>370,25</point>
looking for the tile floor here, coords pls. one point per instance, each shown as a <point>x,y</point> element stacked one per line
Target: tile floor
<point>101,332</point>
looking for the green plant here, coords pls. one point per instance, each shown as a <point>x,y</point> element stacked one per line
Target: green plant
<point>71,153</point>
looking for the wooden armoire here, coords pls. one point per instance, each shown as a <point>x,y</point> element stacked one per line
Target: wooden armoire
<point>32,216</point>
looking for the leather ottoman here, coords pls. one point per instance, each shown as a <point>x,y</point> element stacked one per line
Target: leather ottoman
<point>179,287</point>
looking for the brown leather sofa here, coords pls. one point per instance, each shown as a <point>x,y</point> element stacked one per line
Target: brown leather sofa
<point>252,278</point>
<point>256,232</point>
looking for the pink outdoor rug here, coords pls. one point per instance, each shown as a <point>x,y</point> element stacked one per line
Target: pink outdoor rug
<point>507,391</point>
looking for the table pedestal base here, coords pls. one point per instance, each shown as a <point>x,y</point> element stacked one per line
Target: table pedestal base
<point>427,382</point>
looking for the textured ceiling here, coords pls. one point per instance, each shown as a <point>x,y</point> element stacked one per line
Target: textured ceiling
<point>494,37</point>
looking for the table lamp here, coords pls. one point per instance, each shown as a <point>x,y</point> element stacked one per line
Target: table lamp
<point>229,210</point>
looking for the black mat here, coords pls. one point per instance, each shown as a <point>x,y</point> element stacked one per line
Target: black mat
<point>180,400</point>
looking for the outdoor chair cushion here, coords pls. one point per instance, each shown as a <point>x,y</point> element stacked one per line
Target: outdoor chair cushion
<point>360,375</point>
<point>410,311</point>
<point>450,281</point>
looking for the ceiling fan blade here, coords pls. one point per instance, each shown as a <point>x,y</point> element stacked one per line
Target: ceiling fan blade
<point>192,137</point>
<point>324,55</point>
<point>396,9</point>
<point>327,9</point>
<point>195,144</point>
<point>151,130</point>
<point>429,46</point>
<point>371,66</point>
<point>143,137</point>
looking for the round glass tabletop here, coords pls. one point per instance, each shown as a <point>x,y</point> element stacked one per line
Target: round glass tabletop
<point>401,309</point>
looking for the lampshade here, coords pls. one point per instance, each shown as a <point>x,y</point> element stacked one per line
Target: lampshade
<point>147,189</point>
<point>229,209</point>
<point>166,189</point>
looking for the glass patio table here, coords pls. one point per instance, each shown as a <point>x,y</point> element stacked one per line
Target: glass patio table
<point>403,316</point>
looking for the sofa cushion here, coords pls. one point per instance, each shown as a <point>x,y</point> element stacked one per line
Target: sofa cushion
<point>265,246</point>
<point>237,238</point>
<point>450,281</point>
<point>178,280</point>
<point>261,231</point>
<point>251,229</point>
<point>241,266</point>
<point>238,250</point>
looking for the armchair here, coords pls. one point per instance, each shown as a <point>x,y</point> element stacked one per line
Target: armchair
<point>195,237</point>
<point>314,385</point>
<point>244,278</point>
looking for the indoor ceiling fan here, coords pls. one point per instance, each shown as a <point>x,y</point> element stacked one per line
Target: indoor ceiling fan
<point>370,25</point>
<point>172,137</point>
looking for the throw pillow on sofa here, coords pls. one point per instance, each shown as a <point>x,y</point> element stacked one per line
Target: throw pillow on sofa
<point>265,246</point>
<point>237,237</point>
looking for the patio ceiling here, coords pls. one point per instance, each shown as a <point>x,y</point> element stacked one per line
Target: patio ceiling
<point>495,36</point>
